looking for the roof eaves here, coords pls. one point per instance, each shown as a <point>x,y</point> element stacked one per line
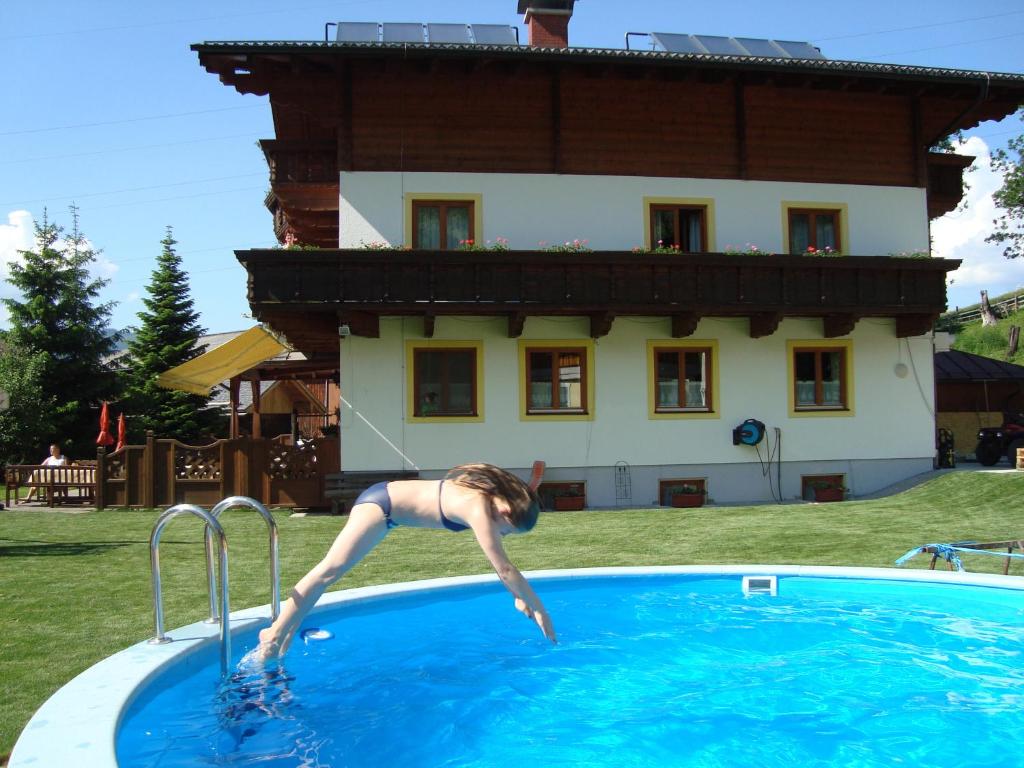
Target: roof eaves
<point>834,66</point>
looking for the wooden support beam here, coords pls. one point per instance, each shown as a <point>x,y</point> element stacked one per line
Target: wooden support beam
<point>914,325</point>
<point>429,319</point>
<point>516,321</point>
<point>684,324</point>
<point>233,387</point>
<point>257,423</point>
<point>764,324</point>
<point>601,324</point>
<point>838,325</point>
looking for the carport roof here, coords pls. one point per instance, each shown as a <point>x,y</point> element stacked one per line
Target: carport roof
<point>965,366</point>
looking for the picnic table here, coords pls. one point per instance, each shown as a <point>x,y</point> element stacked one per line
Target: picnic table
<point>52,483</point>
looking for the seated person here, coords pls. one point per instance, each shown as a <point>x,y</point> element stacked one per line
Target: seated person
<point>55,459</point>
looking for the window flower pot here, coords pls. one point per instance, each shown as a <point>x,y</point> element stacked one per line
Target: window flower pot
<point>569,503</point>
<point>829,494</point>
<point>687,499</point>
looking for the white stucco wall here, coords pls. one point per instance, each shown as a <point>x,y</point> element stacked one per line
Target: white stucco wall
<point>892,416</point>
<point>608,210</point>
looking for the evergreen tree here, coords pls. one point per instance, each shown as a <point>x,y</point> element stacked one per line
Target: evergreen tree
<point>167,337</point>
<point>1010,197</point>
<point>61,317</point>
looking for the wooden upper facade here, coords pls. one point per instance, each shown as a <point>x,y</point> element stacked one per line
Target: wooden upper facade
<point>577,111</point>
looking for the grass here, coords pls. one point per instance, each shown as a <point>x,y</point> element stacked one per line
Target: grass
<point>991,340</point>
<point>74,588</point>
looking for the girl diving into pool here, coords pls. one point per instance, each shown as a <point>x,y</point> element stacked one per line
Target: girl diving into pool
<point>489,501</point>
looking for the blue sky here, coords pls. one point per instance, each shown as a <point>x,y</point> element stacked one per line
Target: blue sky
<point>105,106</point>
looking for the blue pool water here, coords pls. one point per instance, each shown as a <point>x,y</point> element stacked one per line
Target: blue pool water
<point>651,671</point>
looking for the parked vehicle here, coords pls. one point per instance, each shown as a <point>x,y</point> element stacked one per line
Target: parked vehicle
<point>996,442</point>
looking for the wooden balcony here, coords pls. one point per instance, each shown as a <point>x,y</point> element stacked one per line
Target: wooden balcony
<point>304,186</point>
<point>307,294</point>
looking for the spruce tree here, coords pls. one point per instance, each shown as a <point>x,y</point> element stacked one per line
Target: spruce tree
<point>60,316</point>
<point>167,337</point>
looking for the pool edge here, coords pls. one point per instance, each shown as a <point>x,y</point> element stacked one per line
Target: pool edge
<point>89,708</point>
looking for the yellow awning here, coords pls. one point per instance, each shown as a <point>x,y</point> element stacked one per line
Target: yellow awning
<point>203,373</point>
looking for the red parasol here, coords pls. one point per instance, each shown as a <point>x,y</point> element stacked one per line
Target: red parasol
<point>104,438</point>
<point>122,432</point>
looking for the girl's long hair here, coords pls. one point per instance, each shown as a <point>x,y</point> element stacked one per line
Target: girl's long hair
<point>523,502</point>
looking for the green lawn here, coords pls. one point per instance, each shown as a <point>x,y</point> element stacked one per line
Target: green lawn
<point>74,588</point>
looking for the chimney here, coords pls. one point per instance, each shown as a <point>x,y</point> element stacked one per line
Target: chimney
<point>547,22</point>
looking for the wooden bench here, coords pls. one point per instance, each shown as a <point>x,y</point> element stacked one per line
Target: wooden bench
<point>55,482</point>
<point>341,488</point>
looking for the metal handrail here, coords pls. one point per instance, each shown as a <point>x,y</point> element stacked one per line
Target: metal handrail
<point>275,570</point>
<point>154,560</point>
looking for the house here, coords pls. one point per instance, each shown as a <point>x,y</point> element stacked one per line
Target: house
<point>610,259</point>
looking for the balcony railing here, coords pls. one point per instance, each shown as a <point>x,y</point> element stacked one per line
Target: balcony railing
<point>402,282</point>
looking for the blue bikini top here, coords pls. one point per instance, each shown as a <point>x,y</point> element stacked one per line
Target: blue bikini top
<point>451,525</point>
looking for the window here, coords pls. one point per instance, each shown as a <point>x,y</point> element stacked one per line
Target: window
<point>682,376</point>
<point>442,225</point>
<point>686,222</point>
<point>813,229</point>
<point>819,377</point>
<point>445,380</point>
<point>555,379</point>
<point>682,227</point>
<point>682,379</point>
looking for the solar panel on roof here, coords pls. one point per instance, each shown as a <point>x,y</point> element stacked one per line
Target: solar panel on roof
<point>728,46</point>
<point>358,32</point>
<point>758,47</point>
<point>799,50</point>
<point>721,46</point>
<point>403,33</point>
<point>448,33</point>
<point>675,43</point>
<point>494,34</point>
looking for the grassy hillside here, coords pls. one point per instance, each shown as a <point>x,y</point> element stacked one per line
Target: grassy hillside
<point>991,341</point>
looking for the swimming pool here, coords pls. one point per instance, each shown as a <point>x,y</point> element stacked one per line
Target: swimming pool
<point>666,667</point>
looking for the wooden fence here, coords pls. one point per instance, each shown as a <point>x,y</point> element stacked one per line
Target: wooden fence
<point>972,314</point>
<point>165,472</point>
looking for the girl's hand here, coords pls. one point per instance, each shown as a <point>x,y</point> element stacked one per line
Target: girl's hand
<point>540,617</point>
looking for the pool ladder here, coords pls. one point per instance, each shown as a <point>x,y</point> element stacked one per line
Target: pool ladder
<point>213,529</point>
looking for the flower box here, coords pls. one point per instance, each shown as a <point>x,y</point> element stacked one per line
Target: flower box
<point>829,494</point>
<point>687,499</point>
<point>568,503</point>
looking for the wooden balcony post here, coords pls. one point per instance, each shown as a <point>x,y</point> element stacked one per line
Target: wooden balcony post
<point>233,404</point>
<point>100,491</point>
<point>148,473</point>
<point>257,426</point>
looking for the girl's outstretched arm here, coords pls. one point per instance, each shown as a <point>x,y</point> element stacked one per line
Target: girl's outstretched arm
<point>526,601</point>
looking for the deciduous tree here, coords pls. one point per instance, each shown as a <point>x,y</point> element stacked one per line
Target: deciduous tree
<point>1010,198</point>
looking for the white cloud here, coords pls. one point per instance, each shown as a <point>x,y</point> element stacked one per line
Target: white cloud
<point>961,235</point>
<point>19,235</point>
<point>15,236</point>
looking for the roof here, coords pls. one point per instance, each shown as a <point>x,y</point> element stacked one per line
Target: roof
<point>839,67</point>
<point>965,366</point>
